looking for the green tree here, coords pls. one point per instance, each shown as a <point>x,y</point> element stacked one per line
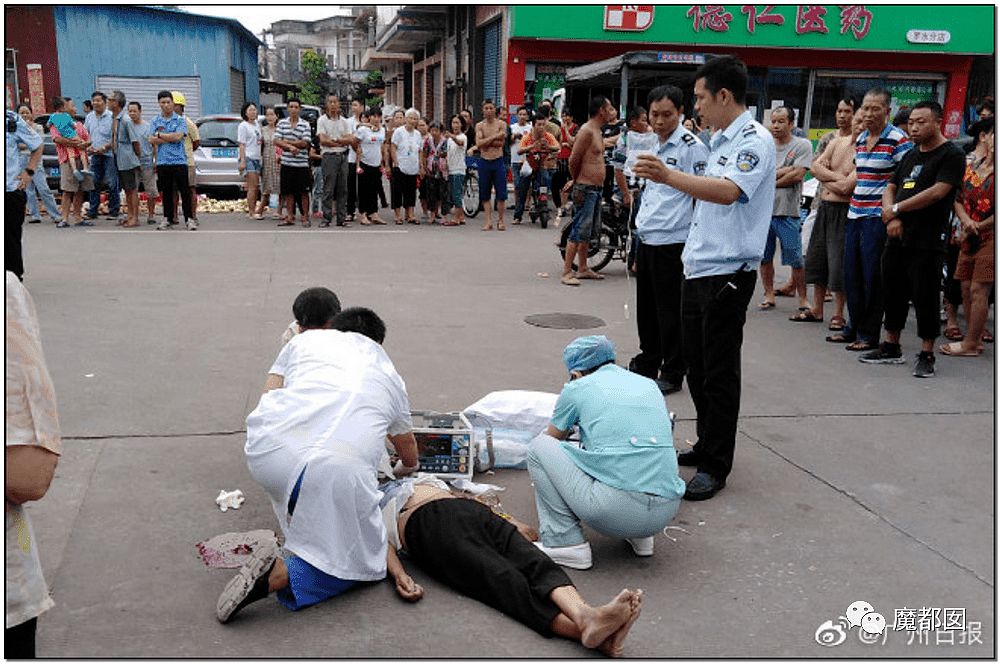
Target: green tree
<point>372,99</point>
<point>316,78</point>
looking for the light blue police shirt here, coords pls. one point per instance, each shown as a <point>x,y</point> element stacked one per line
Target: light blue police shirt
<point>22,134</point>
<point>725,238</point>
<point>665,213</point>
<point>625,431</point>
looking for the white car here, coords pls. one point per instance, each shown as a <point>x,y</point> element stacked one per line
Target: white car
<point>216,161</point>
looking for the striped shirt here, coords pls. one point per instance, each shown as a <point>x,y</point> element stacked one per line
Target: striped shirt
<point>301,132</point>
<point>875,169</point>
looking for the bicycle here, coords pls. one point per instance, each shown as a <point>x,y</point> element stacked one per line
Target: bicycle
<point>539,193</point>
<point>470,192</point>
<point>613,238</point>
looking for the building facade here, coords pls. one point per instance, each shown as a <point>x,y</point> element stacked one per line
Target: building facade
<point>73,50</point>
<point>804,56</point>
<point>340,40</point>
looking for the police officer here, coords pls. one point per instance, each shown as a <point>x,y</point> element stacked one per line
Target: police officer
<point>662,225</point>
<point>732,214</point>
<point>17,131</point>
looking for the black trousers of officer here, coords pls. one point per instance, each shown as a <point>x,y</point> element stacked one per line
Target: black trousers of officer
<point>658,280</point>
<point>912,275</point>
<point>14,202</point>
<point>714,312</point>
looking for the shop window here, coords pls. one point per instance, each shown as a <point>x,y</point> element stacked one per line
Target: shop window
<point>830,88</point>
<point>785,87</point>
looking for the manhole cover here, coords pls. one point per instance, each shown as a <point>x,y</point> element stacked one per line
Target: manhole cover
<point>564,321</point>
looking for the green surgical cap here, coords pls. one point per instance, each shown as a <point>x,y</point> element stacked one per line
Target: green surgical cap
<point>585,353</point>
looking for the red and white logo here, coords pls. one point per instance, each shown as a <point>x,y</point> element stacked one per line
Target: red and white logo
<point>629,18</point>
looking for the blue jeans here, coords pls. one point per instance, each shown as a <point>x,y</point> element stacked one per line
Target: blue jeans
<point>105,170</point>
<point>864,239</point>
<point>39,186</point>
<point>317,192</point>
<point>586,212</point>
<point>565,496</point>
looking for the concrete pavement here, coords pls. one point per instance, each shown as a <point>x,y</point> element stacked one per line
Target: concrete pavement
<point>851,482</point>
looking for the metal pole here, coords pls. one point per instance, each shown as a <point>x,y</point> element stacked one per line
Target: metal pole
<point>623,99</point>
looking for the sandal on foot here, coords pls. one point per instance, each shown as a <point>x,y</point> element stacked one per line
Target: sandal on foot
<point>987,336</point>
<point>306,223</point>
<point>766,306</point>
<point>860,346</point>
<point>953,334</point>
<point>570,280</point>
<point>487,228</point>
<point>286,222</point>
<point>840,339</point>
<point>806,316</point>
<point>837,323</point>
<point>589,274</point>
<point>784,293</point>
<point>955,349</point>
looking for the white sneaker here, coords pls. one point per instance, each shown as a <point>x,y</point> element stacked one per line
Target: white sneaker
<point>192,224</point>
<point>164,225</point>
<point>577,557</point>
<point>642,546</point>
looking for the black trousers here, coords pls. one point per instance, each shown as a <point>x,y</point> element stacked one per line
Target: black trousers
<point>19,640</point>
<point>714,312</point>
<point>14,202</point>
<point>658,280</point>
<point>352,187</point>
<point>463,544</point>
<point>912,275</point>
<point>170,178</point>
<point>369,183</point>
<point>404,189</point>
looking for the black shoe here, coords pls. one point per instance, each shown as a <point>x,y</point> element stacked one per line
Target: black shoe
<point>925,365</point>
<point>702,487</point>
<point>886,353</point>
<point>689,458</point>
<point>668,387</point>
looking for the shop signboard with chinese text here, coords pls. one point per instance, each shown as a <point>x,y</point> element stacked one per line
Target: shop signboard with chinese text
<point>911,28</point>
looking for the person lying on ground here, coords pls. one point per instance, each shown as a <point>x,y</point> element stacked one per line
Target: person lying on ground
<point>466,545</point>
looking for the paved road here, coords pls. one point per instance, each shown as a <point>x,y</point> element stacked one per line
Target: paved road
<point>851,482</point>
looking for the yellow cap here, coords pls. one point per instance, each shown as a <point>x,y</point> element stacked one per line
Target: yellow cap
<point>178,98</point>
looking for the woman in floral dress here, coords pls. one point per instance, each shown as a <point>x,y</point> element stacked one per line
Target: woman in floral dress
<point>271,162</point>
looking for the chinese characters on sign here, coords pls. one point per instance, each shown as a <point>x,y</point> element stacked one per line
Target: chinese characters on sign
<point>855,19</point>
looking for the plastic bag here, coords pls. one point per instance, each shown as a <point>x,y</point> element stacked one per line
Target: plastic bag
<point>525,169</point>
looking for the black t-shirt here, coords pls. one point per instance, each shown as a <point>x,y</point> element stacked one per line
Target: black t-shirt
<point>608,131</point>
<point>919,171</point>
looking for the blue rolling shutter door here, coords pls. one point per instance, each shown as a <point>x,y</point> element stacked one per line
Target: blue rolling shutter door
<point>491,62</point>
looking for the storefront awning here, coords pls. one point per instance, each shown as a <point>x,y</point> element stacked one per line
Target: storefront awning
<point>411,29</point>
<point>642,65</point>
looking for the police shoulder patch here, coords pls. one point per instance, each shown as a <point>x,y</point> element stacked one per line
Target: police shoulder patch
<point>671,161</point>
<point>689,139</point>
<point>750,130</point>
<point>746,161</point>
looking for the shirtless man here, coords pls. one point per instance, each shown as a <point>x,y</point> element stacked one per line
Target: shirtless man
<point>586,168</point>
<point>464,544</point>
<point>825,258</point>
<point>491,134</point>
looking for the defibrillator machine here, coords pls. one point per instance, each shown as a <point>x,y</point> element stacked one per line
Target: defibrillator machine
<point>446,445</point>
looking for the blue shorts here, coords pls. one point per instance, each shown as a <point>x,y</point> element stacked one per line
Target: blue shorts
<point>492,175</point>
<point>253,165</point>
<point>308,585</point>
<point>789,231</point>
<point>586,211</point>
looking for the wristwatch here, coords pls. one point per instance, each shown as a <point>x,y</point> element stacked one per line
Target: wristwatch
<point>29,171</point>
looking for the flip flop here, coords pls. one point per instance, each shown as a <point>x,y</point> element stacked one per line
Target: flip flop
<point>837,323</point>
<point>570,280</point>
<point>285,222</point>
<point>955,350</point>
<point>860,346</point>
<point>840,339</point>
<point>987,337</point>
<point>953,334</point>
<point>590,274</point>
<point>766,306</point>
<point>782,293</point>
<point>806,316</point>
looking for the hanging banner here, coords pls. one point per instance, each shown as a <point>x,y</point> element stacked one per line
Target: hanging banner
<point>36,89</point>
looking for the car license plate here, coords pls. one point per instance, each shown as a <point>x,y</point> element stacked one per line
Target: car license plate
<point>225,153</point>
<point>53,172</point>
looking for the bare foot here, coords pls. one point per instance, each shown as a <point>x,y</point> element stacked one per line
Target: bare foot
<point>614,645</point>
<point>599,623</point>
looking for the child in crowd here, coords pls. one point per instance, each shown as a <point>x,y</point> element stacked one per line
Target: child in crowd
<point>65,125</point>
<point>434,171</point>
<point>456,168</point>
